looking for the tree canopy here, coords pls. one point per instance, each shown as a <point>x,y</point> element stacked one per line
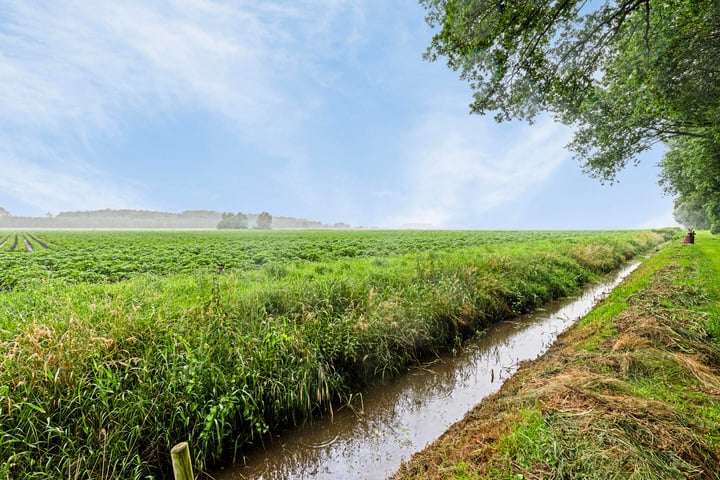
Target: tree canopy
<point>626,74</point>
<point>231,220</point>
<point>264,221</point>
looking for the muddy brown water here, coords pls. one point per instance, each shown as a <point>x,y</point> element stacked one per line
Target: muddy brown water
<point>402,417</point>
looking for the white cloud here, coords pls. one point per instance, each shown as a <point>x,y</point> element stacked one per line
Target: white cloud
<point>452,179</point>
<point>77,187</point>
<point>78,66</point>
<point>73,71</point>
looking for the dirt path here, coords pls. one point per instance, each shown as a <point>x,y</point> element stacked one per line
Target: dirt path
<point>4,241</point>
<point>632,390</point>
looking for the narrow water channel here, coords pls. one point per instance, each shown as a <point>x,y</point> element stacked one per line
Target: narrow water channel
<point>402,417</point>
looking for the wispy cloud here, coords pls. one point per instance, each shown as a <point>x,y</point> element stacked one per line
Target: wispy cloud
<point>74,71</point>
<point>87,62</point>
<point>452,179</point>
<point>77,185</point>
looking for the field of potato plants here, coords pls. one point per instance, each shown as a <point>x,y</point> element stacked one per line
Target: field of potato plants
<point>118,345</point>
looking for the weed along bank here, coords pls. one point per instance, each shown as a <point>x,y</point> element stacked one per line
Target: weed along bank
<point>402,416</point>
<point>118,345</point>
<point>628,392</point>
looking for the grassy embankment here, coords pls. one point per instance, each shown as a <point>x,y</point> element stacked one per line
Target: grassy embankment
<point>100,380</point>
<point>631,391</point>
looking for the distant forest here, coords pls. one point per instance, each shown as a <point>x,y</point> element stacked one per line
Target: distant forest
<point>145,219</point>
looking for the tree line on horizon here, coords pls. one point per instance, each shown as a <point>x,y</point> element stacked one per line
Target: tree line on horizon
<point>239,221</point>
<point>125,218</point>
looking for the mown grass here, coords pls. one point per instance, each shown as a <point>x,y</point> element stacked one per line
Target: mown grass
<point>630,392</point>
<point>100,380</point>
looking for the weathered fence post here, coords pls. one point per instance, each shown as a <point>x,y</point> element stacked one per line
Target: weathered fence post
<point>182,465</point>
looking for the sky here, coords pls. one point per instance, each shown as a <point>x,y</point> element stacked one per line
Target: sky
<point>318,109</point>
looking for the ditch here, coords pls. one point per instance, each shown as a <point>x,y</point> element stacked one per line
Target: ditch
<point>402,417</point>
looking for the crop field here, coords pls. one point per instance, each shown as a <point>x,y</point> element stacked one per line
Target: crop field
<point>107,256</point>
<point>25,242</point>
<point>117,345</point>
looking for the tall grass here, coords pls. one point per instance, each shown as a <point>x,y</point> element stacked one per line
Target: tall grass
<point>100,380</point>
<point>630,391</point>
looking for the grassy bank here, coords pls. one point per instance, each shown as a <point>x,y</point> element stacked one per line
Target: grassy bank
<point>99,380</point>
<point>631,391</point>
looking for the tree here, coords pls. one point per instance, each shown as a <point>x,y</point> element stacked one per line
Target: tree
<point>627,75</point>
<point>264,221</point>
<point>4,213</point>
<point>691,214</point>
<point>691,172</point>
<point>233,221</point>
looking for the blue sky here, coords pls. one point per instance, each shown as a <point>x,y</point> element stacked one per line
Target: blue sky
<point>321,109</point>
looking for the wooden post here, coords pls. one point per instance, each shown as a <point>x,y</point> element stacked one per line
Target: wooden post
<point>182,465</point>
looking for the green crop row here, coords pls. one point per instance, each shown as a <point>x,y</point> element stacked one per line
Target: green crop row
<point>16,242</point>
<point>108,256</point>
<point>99,380</point>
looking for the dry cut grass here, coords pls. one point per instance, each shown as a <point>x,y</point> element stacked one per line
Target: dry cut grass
<point>632,392</point>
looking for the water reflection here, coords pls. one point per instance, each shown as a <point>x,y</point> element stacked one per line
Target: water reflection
<point>403,417</point>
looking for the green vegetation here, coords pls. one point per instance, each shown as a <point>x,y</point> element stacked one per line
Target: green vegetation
<point>147,219</point>
<point>110,256</point>
<point>233,221</point>
<point>628,392</point>
<point>626,74</point>
<point>117,345</point>
<point>264,221</point>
